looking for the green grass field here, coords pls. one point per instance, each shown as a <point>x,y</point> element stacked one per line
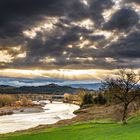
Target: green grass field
<point>86,131</point>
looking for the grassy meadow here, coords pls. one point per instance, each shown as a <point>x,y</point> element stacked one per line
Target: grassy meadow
<point>93,130</point>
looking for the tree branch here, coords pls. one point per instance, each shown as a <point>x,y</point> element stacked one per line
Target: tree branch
<point>120,98</point>
<point>133,98</point>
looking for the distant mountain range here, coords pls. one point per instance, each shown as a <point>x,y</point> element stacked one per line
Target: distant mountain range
<point>36,82</point>
<point>49,89</point>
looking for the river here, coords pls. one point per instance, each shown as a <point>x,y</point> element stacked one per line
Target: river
<point>53,112</point>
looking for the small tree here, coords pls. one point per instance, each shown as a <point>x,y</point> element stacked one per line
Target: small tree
<point>87,99</point>
<point>124,87</point>
<point>100,100</point>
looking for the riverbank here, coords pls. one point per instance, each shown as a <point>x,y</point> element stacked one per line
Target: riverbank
<point>9,110</point>
<point>52,113</point>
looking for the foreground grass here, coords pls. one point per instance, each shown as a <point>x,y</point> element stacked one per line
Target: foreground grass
<point>85,131</point>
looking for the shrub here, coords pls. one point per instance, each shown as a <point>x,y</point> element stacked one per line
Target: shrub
<point>86,106</point>
<point>6,100</point>
<point>87,99</point>
<point>26,102</point>
<point>100,99</point>
<point>79,111</point>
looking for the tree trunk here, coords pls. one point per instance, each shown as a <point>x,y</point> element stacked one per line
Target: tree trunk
<point>124,118</point>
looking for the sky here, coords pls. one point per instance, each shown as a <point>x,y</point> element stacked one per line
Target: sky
<point>69,40</point>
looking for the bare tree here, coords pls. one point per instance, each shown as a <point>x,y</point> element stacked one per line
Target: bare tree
<point>124,87</point>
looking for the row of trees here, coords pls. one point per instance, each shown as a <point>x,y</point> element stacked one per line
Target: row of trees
<point>88,99</point>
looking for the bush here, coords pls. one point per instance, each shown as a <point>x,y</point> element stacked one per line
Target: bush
<point>86,106</point>
<point>78,111</point>
<point>100,99</point>
<point>6,100</point>
<point>87,99</point>
<point>26,102</point>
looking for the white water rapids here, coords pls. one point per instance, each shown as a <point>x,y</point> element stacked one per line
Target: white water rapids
<point>52,113</point>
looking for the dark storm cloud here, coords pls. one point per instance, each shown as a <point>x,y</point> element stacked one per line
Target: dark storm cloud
<point>6,42</point>
<point>96,9</point>
<point>123,19</point>
<point>95,37</point>
<point>128,47</point>
<point>17,16</point>
<point>93,11</point>
<point>77,11</point>
<point>53,46</point>
<point>136,1</point>
<point>52,49</point>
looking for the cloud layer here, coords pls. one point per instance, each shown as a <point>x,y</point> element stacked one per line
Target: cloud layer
<point>47,34</point>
